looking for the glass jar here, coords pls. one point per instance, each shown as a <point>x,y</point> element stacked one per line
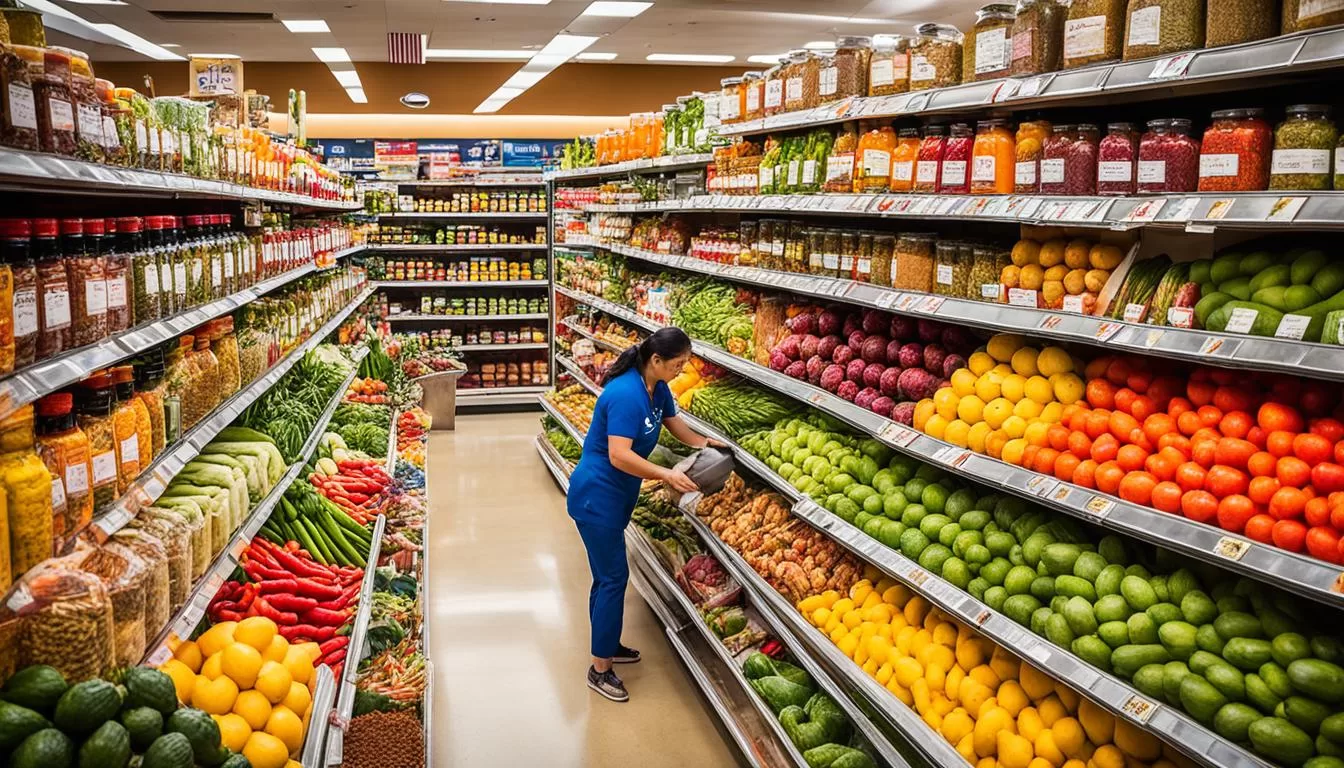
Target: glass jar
<point>224,345</point>
<point>64,449</point>
<point>731,100</point>
<point>944,267</point>
<point>847,75</point>
<point>1157,27</point>
<point>1080,168</point>
<point>55,104</point>
<point>935,57</point>
<point>1240,22</point>
<point>1168,158</point>
<point>1235,153</point>
<point>1117,157</point>
<point>883,251</point>
<point>20,67</point>
<point>17,252</point>
<point>988,51</point>
<point>903,160</point>
<point>929,161</point>
<point>889,68</point>
<point>803,83</point>
<point>93,407</point>
<point>815,242</point>
<point>1028,149</point>
<point>774,91</point>
<point>993,159</point>
<point>795,248</point>
<point>954,177</point>
<point>872,171</point>
<point>849,255</point>
<point>25,26</point>
<point>126,427</point>
<point>912,266</point>
<point>1303,144</point>
<point>983,282</point>
<point>1299,16</point>
<point>1094,31</point>
<point>831,246</point>
<point>753,96</point>
<point>88,107</point>
<point>863,259</point>
<point>116,125</point>
<point>1054,153</point>
<point>53,290</point>
<point>1038,37</point>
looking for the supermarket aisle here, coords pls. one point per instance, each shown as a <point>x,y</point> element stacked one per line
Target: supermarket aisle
<point>509,603</point>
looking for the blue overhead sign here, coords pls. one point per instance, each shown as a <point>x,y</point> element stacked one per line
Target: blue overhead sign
<point>489,153</point>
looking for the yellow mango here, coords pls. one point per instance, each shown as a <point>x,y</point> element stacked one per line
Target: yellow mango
<point>1097,723</point>
<point>860,655</point>
<point>852,619</point>
<point>916,608</point>
<point>945,634</point>
<point>932,719</point>
<point>969,655</point>
<point>942,656</point>
<point>871,572</point>
<point>952,682</point>
<point>904,639</point>
<point>990,704</point>
<point>941,704</point>
<point>935,677</point>
<point>1108,756</point>
<point>921,640</point>
<point>884,674</point>
<point>1040,762</point>
<point>878,614</point>
<point>810,604</point>
<point>884,631</point>
<point>985,676</point>
<point>837,633</point>
<point>957,725</point>
<point>972,694</point>
<point>1013,750</point>
<point>907,671</point>
<point>901,692</point>
<point>1012,697</point>
<point>1046,748</point>
<point>965,745</point>
<point>920,690</point>
<point>870,667</point>
<point>842,606</point>
<point>932,619</point>
<point>1051,709</point>
<point>819,616</point>
<point>987,762</point>
<point>832,622</point>
<point>1075,763</point>
<point>1068,697</point>
<point>879,648</point>
<point>1029,723</point>
<point>860,590</point>
<point>867,630</point>
<point>871,599</point>
<point>898,595</point>
<point>987,729</point>
<point>848,644</point>
<point>883,584</point>
<point>829,598</point>
<point>1004,665</point>
<point>1036,683</point>
<point>1136,742</point>
<point>1069,736</point>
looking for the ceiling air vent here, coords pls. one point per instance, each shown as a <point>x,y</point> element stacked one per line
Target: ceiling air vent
<point>216,17</point>
<point>415,100</point>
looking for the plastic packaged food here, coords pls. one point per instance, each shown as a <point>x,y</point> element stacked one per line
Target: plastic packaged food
<point>954,177</point>
<point>154,558</point>
<point>849,255</point>
<point>1168,158</point>
<point>28,500</point>
<point>16,431</point>
<point>64,449</point>
<point>929,162</point>
<point>1155,27</point>
<point>55,104</point>
<point>142,271</point>
<point>840,164</point>
<point>225,348</point>
<point>1027,150</point>
<point>831,247</point>
<point>118,131</point>
<point>88,285</point>
<point>883,251</point>
<point>903,160</point>
<point>1235,153</point>
<point>88,107</point>
<point>172,533</point>
<point>984,277</point>
<point>872,170</point>
<point>935,57</point>
<point>203,387</point>
<point>1117,158</point>
<point>889,68</point>
<point>123,574</point>
<point>94,405</point>
<point>993,159</point>
<point>1301,15</point>
<point>19,66</point>
<point>847,73</point>
<point>803,81</point>
<point>25,27</point>
<point>16,252</point>
<point>1038,37</point>
<point>53,290</point>
<point>989,46</point>
<point>1229,22</point>
<point>1303,147</point>
<point>912,266</point>
<point>149,389</point>
<point>1094,31</point>
<point>730,100</point>
<point>774,90</point>
<point>68,623</point>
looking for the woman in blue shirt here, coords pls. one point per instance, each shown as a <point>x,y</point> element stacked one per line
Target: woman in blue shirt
<point>634,407</point>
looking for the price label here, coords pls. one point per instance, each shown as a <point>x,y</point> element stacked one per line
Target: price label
<point>1006,90</point>
<point>1073,304</point>
<point>1172,66</point>
<point>1021,297</point>
<point>158,657</point>
<point>898,434</point>
<point>1030,87</point>
<point>931,304</point>
<point>917,103</point>
<point>1292,327</point>
<point>906,301</point>
<point>1212,345</point>
<point>1106,331</point>
<point>1051,322</point>
<point>1231,548</point>
<point>982,617</point>
<point>1040,485</point>
<point>1183,210</point>
<point>1145,211</point>
<point>817,398</point>
<point>918,576</point>
<point>1138,708</point>
<point>1181,317</point>
<point>1099,506</point>
<point>887,299</point>
<point>1029,207</point>
<point>1151,338</point>
<point>237,547</point>
<point>1286,208</point>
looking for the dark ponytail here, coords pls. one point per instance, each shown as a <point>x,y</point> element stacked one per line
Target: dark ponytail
<point>667,343</point>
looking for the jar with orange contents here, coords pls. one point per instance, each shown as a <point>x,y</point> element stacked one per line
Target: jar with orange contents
<point>872,169</point>
<point>993,159</point>
<point>1236,152</point>
<point>1031,136</point>
<point>731,100</point>
<point>753,96</point>
<point>903,160</point>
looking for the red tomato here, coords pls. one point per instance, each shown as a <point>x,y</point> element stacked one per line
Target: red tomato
<point>1293,471</point>
<point>1260,528</point>
<point>1200,506</point>
<point>1327,477</point>
<point>1287,503</point>
<point>1224,481</point>
<point>1330,429</point>
<point>1312,448</point>
<point>1317,511</point>
<point>1234,511</point>
<point>1166,496</point>
<point>1290,535</point>
<point>1233,452</point>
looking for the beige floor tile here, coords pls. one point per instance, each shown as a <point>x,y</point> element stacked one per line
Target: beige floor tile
<point>508,609</point>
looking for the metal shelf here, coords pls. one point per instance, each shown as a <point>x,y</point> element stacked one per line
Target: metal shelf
<point>552,461</point>
<point>1308,577</point>
<point>31,172</point>
<point>1264,353</point>
<point>492,396</point>
<point>453,248</point>
<point>416,318</point>
<point>461,284</point>
<point>653,165</point>
<point>576,373</point>
<point>475,181</point>
<point>468,216</point>
<point>550,409</point>
<point>324,694</point>
<point>574,326</point>
<point>44,377</point>
<point>501,347</point>
<point>356,650</point>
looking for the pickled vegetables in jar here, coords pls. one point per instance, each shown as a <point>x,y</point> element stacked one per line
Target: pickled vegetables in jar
<point>1235,154</point>
<point>954,175</point>
<point>872,168</point>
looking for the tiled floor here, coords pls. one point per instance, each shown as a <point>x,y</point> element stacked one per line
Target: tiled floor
<point>508,611</point>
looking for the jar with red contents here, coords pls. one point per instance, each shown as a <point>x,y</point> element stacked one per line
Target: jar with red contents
<point>929,161</point>
<point>954,178</point>
<point>1117,155</point>
<point>1054,153</point>
<point>1168,158</point>
<point>1235,154</point>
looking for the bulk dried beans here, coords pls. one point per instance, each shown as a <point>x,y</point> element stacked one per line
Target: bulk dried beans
<point>1235,153</point>
<point>1168,158</point>
<point>1038,34</point>
<point>1163,26</point>
<point>385,740</point>
<point>1303,144</point>
<point>1094,31</point>
<point>1117,155</point>
<point>1240,21</point>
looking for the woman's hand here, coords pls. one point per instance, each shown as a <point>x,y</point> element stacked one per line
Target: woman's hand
<point>678,481</point>
<point>712,443</point>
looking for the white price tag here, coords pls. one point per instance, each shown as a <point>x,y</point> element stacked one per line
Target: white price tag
<point>898,434</point>
<point>1040,485</point>
<point>1051,322</point>
<point>1106,331</point>
<point>1145,211</point>
<point>1021,297</point>
<point>1172,66</point>
<point>931,304</point>
<point>1241,320</point>
<point>1292,327</point>
<point>1231,548</point>
<point>1031,87</point>
<point>158,657</point>
<point>1099,506</point>
<point>1151,339</point>
<point>1181,317</point>
<point>1138,708</point>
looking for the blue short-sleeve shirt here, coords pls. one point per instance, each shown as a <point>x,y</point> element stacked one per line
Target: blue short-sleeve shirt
<point>599,493</point>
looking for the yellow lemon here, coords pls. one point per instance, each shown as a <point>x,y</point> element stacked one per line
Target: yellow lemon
<point>1024,361</point>
<point>233,730</point>
<point>1036,432</point>
<point>1002,346</point>
<point>923,410</point>
<point>273,681</point>
<point>1014,387</point>
<point>1028,409</point>
<point>265,751</point>
<point>977,437</point>
<point>980,363</point>
<point>189,653</point>
<point>1013,449</point>
<point>1014,426</point>
<point>285,726</point>
<point>299,664</point>
<point>214,697</point>
<point>936,426</point>
<point>1039,389</point>
<point>996,411</point>
<point>253,707</point>
<point>293,764</point>
<point>214,639</point>
<point>945,401</point>
<point>963,382</point>
<point>971,409</point>
<point>1052,412</point>
<point>211,667</point>
<point>1053,360</point>
<point>241,664</point>
<point>957,433</point>
<point>276,649</point>
<point>313,650</point>
<point>1068,388</point>
<point>988,387</point>
<point>255,631</point>
<point>1002,369</point>
<point>184,680</point>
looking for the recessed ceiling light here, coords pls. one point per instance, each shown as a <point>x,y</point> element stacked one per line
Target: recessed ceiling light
<point>415,100</point>
<point>169,45</point>
<point>329,55</point>
<point>766,58</point>
<point>596,56</point>
<point>820,45</point>
<point>357,95</point>
<point>621,10</point>
<point>348,78</point>
<point>305,25</point>
<point>826,18</point>
<point>697,58</point>
<point>477,53</point>
<point>98,2</point>
<point>567,46</point>
<point>503,2</point>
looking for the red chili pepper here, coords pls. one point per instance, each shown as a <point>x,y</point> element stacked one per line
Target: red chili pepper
<point>249,597</point>
<point>298,633</point>
<point>322,589</point>
<point>264,608</point>
<point>333,644</point>
<point>226,615</point>
<point>321,616</point>
<point>263,574</point>
<point>298,566</point>
<point>291,603</point>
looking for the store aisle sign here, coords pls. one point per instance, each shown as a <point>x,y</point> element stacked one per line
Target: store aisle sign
<point>215,76</point>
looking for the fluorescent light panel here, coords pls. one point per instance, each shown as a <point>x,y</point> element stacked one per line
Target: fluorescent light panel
<point>301,26</point>
<point>348,78</point>
<point>330,55</point>
<point>613,9</point>
<point>478,53</point>
<point>560,49</point>
<point>567,46</point>
<point>215,55</point>
<point>766,58</point>
<point>357,95</point>
<point>820,45</point>
<point>596,56</point>
<point>136,43</point>
<point>97,2</point>
<point>697,58</point>
<point>503,2</point>
<point>523,79</point>
<point>169,45</point>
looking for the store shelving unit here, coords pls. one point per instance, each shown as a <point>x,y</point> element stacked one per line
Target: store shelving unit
<point>356,650</point>
<point>461,284</point>
<point>468,216</point>
<point>502,347</point>
<point>559,468</point>
<point>492,396</point>
<point>654,165</point>
<point>453,248</point>
<point>410,317</point>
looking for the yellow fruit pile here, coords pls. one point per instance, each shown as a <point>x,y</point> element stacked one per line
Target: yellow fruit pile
<point>253,683</point>
<point>1059,268</point>
<point>1005,390</point>
<point>997,711</point>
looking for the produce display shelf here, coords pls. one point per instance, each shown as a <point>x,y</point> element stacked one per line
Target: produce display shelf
<point>1308,577</point>
<point>552,461</point>
<point>468,216</point>
<point>501,347</point>
<point>1196,212</point>
<point>574,326</point>
<point>576,373</point>
<point>356,650</point>
<point>453,248</point>
<point>427,700</point>
<point>1262,63</point>
<point>37,172</point>
<point>408,317</point>
<point>647,165</point>
<point>1324,361</point>
<point>341,254</point>
<point>190,614</point>
<point>553,412</point>
<point>324,696</point>
<point>42,378</point>
<point>152,481</point>
<point>461,284</point>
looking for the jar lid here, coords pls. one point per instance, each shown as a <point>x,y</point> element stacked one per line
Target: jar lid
<point>56,404</point>
<point>1179,123</point>
<point>906,133</point>
<point>1087,128</point>
<point>939,32</point>
<point>72,226</point>
<point>961,129</point>
<point>727,81</point>
<point>995,11</point>
<point>933,130</point>
<point>128,224</point>
<point>1062,128</point>
<point>798,54</point>
<point>195,221</point>
<point>1308,109</point>
<point>756,75</point>
<point>123,374</point>
<point>853,41</point>
<point>93,226</point>
<point>153,222</point>
<point>16,228</point>
<point>1120,127</point>
<point>997,122</point>
<point>888,40</point>
<point>1238,114</point>
<point>45,227</point>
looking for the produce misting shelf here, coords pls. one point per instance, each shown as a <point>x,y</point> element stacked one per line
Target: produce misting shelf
<point>415,318</point>
<point>453,248</point>
<point>461,284</point>
<point>1322,361</point>
<point>152,481</point>
<point>468,216</point>
<point>553,462</point>
<point>1308,577</point>
<point>32,382</point>
<point>501,347</point>
<point>190,614</point>
<point>648,165</point>
<point>1262,63</point>
<point>31,172</point>
<point>356,650</point>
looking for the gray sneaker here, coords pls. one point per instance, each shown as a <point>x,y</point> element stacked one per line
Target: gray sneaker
<point>607,684</point>
<point>625,655</point>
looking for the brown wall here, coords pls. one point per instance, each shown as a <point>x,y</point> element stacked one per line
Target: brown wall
<point>453,88</point>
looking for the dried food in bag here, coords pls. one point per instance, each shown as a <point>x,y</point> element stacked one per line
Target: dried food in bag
<point>123,574</point>
<point>154,556</point>
<point>67,621</point>
<point>28,501</point>
<point>889,67</point>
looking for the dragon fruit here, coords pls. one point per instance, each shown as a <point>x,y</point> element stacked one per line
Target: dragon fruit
<point>902,327</point>
<point>854,371</point>
<point>872,375</point>
<point>917,384</point>
<point>789,346</point>
<point>912,355</point>
<point>904,413</point>
<point>951,363</point>
<point>852,323</point>
<point>856,340</point>
<point>933,359</point>
<point>929,330</point>
<point>832,377</point>
<point>894,352</point>
<point>866,397</point>
<point>800,325</point>
<point>848,390</point>
<point>888,383</point>
<point>808,346</point>
<point>874,321</point>
<point>797,369</point>
<point>882,406</point>
<point>842,355</point>
<point>826,348</point>
<point>815,365</point>
<point>829,323</point>
<point>957,338</point>
<point>778,360</point>
<point>874,349</point>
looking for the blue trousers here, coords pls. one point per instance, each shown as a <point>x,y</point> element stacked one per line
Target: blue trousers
<point>606,599</point>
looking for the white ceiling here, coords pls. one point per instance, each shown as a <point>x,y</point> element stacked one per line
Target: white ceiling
<point>740,28</point>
